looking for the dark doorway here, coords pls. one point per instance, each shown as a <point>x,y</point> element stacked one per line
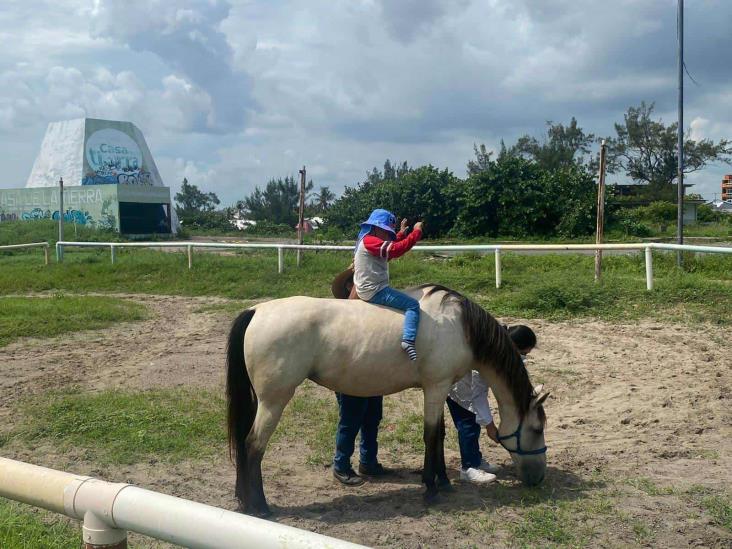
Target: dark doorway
<point>139,218</point>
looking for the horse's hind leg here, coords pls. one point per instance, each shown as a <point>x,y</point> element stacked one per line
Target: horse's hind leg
<point>434,403</point>
<point>268,416</point>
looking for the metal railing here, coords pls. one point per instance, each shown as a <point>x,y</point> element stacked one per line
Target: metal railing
<point>44,245</point>
<point>109,510</point>
<point>497,249</point>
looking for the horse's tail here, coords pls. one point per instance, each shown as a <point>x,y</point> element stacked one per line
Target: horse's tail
<point>242,400</point>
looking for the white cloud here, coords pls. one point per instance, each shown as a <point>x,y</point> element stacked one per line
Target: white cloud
<point>233,93</point>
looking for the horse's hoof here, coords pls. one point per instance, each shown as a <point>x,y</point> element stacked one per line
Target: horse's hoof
<point>430,495</point>
<point>259,512</point>
<point>444,484</point>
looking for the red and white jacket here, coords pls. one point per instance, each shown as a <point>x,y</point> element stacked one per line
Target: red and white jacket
<point>371,262</point>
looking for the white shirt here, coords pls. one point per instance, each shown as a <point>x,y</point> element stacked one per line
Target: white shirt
<point>471,392</point>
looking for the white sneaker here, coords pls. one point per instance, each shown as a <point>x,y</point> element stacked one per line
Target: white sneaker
<point>478,476</point>
<point>487,467</point>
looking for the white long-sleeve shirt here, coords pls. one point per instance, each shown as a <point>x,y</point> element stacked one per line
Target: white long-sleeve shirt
<point>471,392</point>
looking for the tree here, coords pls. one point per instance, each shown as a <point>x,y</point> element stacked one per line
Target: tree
<point>515,196</point>
<point>424,193</point>
<point>278,203</point>
<point>190,199</point>
<point>482,159</point>
<point>323,199</point>
<point>563,147</point>
<point>646,150</point>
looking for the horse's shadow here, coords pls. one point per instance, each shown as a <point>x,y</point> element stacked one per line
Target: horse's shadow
<point>407,501</point>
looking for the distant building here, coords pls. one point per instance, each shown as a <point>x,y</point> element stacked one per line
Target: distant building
<point>724,206</point>
<point>110,180</point>
<point>727,187</point>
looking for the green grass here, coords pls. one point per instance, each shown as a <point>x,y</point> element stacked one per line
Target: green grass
<point>646,485</point>
<point>311,418</point>
<point>549,286</point>
<point>52,316</point>
<point>720,508</point>
<point>545,525</point>
<point>23,527</point>
<point>120,427</point>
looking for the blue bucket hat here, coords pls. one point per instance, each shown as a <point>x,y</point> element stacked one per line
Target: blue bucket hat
<point>379,218</point>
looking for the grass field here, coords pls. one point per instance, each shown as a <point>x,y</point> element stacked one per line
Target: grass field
<point>548,286</point>
<point>60,314</point>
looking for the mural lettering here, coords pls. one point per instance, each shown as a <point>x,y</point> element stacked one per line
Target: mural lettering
<point>114,157</point>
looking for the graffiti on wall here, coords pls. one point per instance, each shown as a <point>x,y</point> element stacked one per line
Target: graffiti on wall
<point>114,157</point>
<point>80,217</point>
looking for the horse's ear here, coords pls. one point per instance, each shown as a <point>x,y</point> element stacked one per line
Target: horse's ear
<point>540,399</point>
<point>537,390</point>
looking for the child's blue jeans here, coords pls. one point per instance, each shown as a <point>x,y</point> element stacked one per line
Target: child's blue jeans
<point>398,300</point>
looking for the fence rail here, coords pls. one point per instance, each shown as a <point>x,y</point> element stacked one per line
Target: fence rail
<point>497,249</point>
<point>43,245</point>
<point>109,510</point>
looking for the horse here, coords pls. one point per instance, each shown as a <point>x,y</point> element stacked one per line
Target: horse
<point>352,347</point>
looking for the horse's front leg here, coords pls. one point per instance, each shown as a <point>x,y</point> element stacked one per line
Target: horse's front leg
<point>434,428</point>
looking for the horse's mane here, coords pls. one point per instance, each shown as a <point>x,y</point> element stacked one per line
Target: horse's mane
<point>491,343</point>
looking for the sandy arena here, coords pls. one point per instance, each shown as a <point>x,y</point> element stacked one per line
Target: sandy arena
<point>639,421</point>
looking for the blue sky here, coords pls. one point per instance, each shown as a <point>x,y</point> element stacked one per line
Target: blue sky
<point>232,93</point>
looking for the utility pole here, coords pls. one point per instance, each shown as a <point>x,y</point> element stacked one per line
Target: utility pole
<point>680,175</point>
<point>301,216</point>
<point>599,234</point>
<point>60,254</point>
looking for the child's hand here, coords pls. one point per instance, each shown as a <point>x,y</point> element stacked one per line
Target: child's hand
<point>418,226</point>
<point>405,225</point>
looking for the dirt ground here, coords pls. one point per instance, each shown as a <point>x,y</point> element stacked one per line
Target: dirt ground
<point>640,416</point>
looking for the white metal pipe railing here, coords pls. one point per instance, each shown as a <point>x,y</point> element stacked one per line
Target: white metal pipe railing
<point>648,247</point>
<point>109,510</point>
<point>43,245</point>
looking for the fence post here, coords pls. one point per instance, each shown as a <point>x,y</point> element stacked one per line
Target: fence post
<point>45,253</point>
<point>280,260</point>
<point>498,267</point>
<point>59,252</point>
<point>111,252</point>
<point>649,268</point>
<point>190,257</point>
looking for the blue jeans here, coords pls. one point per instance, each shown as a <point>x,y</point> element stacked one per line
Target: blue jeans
<point>357,414</point>
<point>468,434</point>
<point>397,300</point>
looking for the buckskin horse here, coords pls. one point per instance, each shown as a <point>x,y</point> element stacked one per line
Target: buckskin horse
<point>352,347</point>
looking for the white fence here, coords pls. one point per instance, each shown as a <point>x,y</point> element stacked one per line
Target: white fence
<point>43,245</point>
<point>109,510</point>
<point>497,249</point>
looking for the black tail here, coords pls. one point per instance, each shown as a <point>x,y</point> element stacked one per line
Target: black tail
<point>242,401</point>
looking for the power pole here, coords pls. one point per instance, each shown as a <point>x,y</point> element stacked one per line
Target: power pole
<point>301,216</point>
<point>680,175</point>
<point>599,234</point>
<point>60,253</point>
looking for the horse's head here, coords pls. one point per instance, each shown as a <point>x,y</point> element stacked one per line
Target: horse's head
<point>526,442</point>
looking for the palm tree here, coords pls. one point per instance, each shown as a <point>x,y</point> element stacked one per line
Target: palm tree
<point>323,199</point>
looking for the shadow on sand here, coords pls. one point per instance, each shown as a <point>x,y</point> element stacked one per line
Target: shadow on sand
<point>402,496</point>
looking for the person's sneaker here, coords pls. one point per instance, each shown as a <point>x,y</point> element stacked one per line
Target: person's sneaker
<point>478,476</point>
<point>348,478</point>
<point>488,467</point>
<point>375,470</point>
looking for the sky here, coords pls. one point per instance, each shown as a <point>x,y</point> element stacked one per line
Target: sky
<point>232,93</point>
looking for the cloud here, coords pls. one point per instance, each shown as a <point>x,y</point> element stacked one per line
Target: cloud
<point>185,35</point>
<point>247,90</point>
